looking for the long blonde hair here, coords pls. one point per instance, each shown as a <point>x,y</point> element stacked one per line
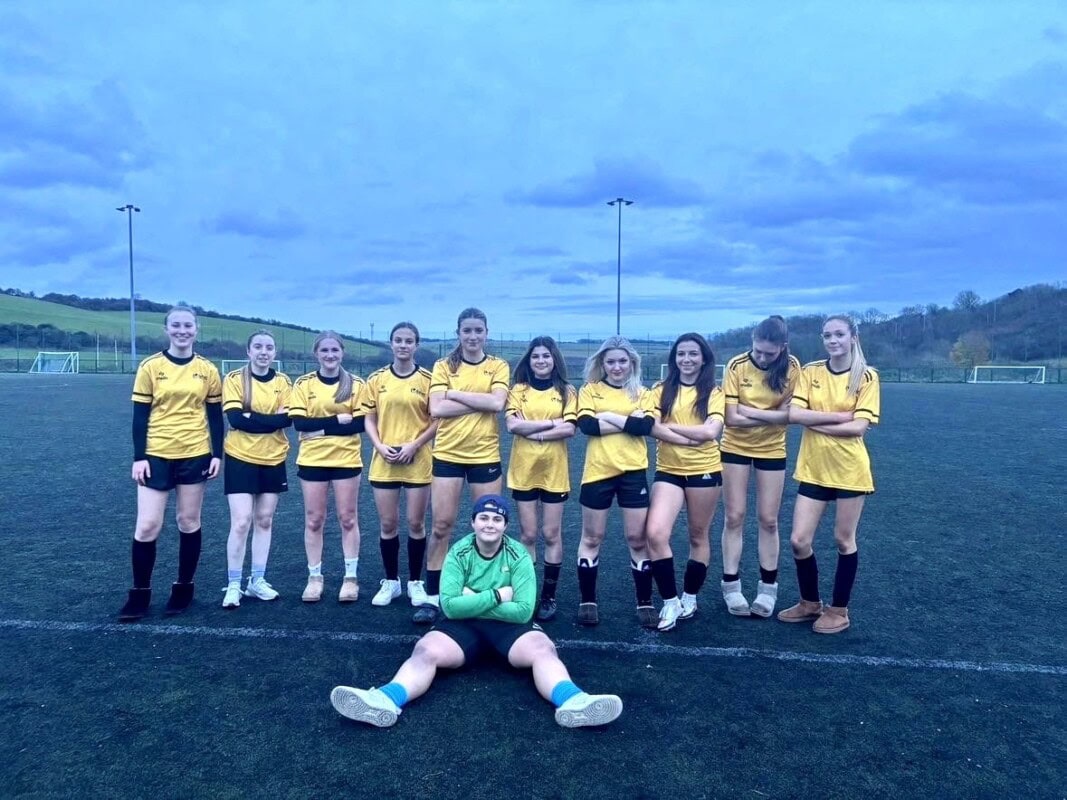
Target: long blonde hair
<point>859,362</point>
<point>344,386</point>
<point>246,371</point>
<point>594,365</point>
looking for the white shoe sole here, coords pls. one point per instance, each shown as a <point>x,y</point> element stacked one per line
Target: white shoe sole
<point>234,604</point>
<point>761,610</point>
<point>381,600</point>
<point>599,712</point>
<point>351,706</point>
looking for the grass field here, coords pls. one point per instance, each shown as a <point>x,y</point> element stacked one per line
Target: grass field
<point>950,683</point>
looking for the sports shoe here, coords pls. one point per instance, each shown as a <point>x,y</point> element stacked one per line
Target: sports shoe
<point>804,611</point>
<point>588,614</point>
<point>349,591</point>
<point>427,613</point>
<point>313,591</point>
<point>766,597</point>
<point>736,603</point>
<point>834,619</point>
<point>259,588</point>
<point>669,614</point>
<point>689,606</point>
<point>365,705</point>
<point>546,609</point>
<point>417,593</point>
<point>388,593</point>
<point>232,598</point>
<point>647,617</point>
<point>181,597</point>
<point>584,709</point>
<point>136,605</point>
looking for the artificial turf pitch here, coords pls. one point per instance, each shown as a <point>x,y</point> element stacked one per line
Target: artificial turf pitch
<point>950,682</point>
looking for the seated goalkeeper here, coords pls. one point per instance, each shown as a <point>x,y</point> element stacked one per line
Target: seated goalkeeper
<point>488,594</point>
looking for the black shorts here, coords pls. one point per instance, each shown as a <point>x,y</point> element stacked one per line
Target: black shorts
<point>827,494</point>
<point>631,489</point>
<point>545,496</point>
<point>765,464</point>
<point>475,636</point>
<point>705,480</point>
<point>397,485</point>
<point>243,477</point>
<point>170,472</point>
<point>324,474</point>
<point>473,473</point>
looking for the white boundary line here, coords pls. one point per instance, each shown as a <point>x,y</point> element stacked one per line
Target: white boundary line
<point>643,648</point>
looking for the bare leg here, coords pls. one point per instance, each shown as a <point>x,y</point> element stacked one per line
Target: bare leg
<point>241,506</point>
<point>735,497</point>
<point>433,651</point>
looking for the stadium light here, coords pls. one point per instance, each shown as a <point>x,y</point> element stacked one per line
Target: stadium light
<point>620,202</point>
<point>130,209</point>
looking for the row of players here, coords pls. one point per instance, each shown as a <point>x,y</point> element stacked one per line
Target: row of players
<point>179,403</point>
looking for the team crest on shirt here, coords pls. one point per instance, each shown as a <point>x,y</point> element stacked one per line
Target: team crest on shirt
<point>415,390</point>
<point>161,376</point>
<point>746,382</point>
<point>200,376</point>
<point>815,383</point>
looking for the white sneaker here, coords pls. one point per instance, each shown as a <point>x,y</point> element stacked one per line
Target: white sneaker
<point>669,614</point>
<point>388,593</point>
<point>736,603</point>
<point>766,597</point>
<point>232,598</point>
<point>689,606</point>
<point>588,709</point>
<point>417,593</point>
<point>372,705</point>
<point>259,588</point>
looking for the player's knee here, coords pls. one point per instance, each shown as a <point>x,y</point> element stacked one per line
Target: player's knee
<point>188,521</point>
<point>148,530</point>
<point>427,654</point>
<point>442,531</point>
<point>314,521</point>
<point>240,523</point>
<point>349,521</point>
<point>801,545</point>
<point>845,540</point>
<point>542,647</point>
<point>528,538</point>
<point>735,520</point>
<point>768,524</point>
<point>388,527</point>
<point>552,534</point>
<point>264,522</point>
<point>417,528</point>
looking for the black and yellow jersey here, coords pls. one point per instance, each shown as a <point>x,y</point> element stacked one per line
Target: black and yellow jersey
<point>270,394</point>
<point>177,390</point>
<point>533,464</point>
<point>679,460</point>
<point>473,438</point>
<point>313,398</point>
<point>745,383</point>
<point>608,456</point>
<point>401,407</point>
<point>836,461</point>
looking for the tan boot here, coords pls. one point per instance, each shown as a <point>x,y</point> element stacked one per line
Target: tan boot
<point>349,591</point>
<point>804,611</point>
<point>313,591</point>
<point>834,619</point>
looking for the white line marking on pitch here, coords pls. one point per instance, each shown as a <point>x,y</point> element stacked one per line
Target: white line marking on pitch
<point>643,648</point>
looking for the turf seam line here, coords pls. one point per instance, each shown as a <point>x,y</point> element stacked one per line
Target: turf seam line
<point>646,648</point>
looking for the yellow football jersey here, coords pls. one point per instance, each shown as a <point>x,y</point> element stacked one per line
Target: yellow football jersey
<point>678,460</point>
<point>401,405</point>
<point>177,391</point>
<point>834,461</point>
<point>533,464</point>
<point>312,398</point>
<point>472,438</point>
<point>745,384</point>
<point>270,394</point>
<point>608,456</point>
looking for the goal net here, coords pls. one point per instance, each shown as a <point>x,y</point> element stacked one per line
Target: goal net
<point>55,362</point>
<point>229,365</point>
<point>991,373</point>
<point>720,373</point>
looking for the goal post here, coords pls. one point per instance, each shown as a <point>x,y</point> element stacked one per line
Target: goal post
<point>55,362</point>
<point>228,365</point>
<point>997,373</point>
<point>720,373</point>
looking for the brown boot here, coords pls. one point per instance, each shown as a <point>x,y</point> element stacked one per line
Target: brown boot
<point>804,611</point>
<point>834,619</point>
<point>313,591</point>
<point>349,591</point>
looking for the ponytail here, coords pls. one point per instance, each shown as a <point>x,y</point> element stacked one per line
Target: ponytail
<point>859,361</point>
<point>774,330</point>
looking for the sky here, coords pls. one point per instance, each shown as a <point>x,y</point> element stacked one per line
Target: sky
<point>350,164</point>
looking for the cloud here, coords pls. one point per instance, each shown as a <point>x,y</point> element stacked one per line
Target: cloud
<point>283,225</point>
<point>640,180</point>
<point>569,279</point>
<point>544,251</point>
<point>40,166</point>
<point>1054,34</point>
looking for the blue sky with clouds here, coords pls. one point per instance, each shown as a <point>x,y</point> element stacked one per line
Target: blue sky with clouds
<point>342,164</point>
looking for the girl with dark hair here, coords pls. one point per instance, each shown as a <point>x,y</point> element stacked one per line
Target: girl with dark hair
<point>759,385</point>
<point>467,391</point>
<point>688,471</point>
<point>541,412</point>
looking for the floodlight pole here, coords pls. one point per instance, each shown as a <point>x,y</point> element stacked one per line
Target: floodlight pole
<point>620,202</point>
<point>130,209</point>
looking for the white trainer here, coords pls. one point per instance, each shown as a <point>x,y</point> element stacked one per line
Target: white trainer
<point>736,603</point>
<point>584,709</point>
<point>259,588</point>
<point>232,598</point>
<point>388,593</point>
<point>689,606</point>
<point>417,593</point>
<point>371,706</point>
<point>669,614</point>
<point>766,597</point>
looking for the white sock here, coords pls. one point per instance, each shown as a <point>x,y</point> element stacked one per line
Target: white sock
<point>315,571</point>
<point>351,564</point>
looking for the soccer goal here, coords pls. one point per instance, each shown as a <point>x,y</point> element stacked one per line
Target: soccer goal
<point>55,362</point>
<point>720,373</point>
<point>229,365</point>
<point>995,373</point>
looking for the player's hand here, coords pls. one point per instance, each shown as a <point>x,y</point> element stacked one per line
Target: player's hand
<point>344,418</point>
<point>405,453</point>
<point>213,468</point>
<point>282,410</point>
<point>141,471</point>
<point>506,593</point>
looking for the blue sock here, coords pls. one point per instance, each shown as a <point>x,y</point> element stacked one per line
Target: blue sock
<point>395,692</point>
<point>258,571</point>
<point>233,575</point>
<point>563,691</point>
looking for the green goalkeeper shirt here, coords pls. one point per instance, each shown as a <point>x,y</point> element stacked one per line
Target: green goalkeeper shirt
<point>465,567</point>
